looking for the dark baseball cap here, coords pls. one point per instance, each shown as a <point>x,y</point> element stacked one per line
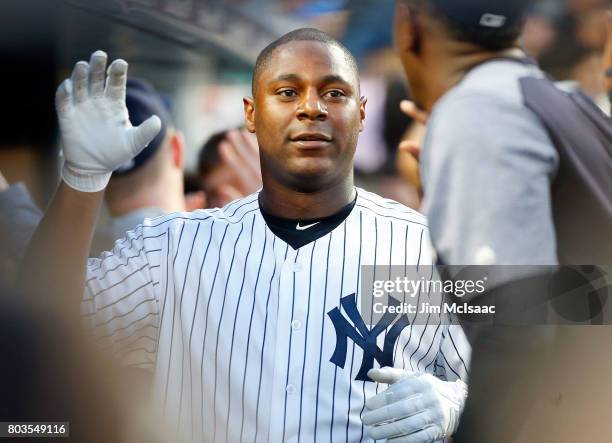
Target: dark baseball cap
<point>142,101</point>
<point>483,14</point>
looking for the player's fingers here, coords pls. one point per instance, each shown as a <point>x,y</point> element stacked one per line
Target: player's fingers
<point>234,138</point>
<point>251,153</point>
<point>63,97</point>
<point>79,77</point>
<point>411,110</point>
<point>143,134</point>
<point>411,147</point>
<point>227,152</point>
<point>387,374</point>
<point>195,200</point>
<point>250,144</point>
<point>242,146</point>
<point>395,394</point>
<point>230,156</point>
<point>427,435</point>
<point>409,405</point>
<point>228,194</point>
<point>403,427</point>
<point>116,80</point>
<point>97,68</point>
<point>407,386</point>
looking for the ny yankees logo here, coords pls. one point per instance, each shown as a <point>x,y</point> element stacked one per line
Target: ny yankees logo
<point>363,337</point>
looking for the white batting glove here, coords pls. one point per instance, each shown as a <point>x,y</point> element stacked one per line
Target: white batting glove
<point>416,408</point>
<point>97,136</point>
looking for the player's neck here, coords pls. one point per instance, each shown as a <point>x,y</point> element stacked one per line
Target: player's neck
<point>447,70</point>
<point>282,201</point>
<point>166,199</point>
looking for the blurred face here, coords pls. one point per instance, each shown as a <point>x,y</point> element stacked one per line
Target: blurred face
<point>307,114</point>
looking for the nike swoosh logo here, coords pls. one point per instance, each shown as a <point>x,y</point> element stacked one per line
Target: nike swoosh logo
<point>303,228</point>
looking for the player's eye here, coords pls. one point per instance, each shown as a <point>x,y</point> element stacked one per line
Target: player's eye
<point>335,93</point>
<point>287,93</point>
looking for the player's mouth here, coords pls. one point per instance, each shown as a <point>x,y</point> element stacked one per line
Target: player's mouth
<point>311,140</point>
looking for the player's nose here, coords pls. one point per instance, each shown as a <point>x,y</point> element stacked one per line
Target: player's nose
<point>311,106</point>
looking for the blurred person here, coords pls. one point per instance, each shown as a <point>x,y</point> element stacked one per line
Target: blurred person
<point>19,217</point>
<point>590,33</point>
<point>538,35</point>
<point>440,69</point>
<point>515,172</point>
<point>590,29</point>
<point>150,184</point>
<point>228,167</point>
<point>203,299</point>
<point>51,372</point>
<point>580,37</point>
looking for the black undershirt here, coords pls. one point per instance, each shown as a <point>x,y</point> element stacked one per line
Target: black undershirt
<point>298,233</point>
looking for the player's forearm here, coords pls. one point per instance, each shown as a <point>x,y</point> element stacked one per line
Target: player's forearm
<point>55,263</point>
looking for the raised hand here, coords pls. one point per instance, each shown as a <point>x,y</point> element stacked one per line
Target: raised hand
<point>96,133</point>
<point>410,148</point>
<point>420,117</point>
<point>240,152</point>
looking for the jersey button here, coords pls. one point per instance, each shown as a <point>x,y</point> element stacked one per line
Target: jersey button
<point>296,267</point>
<point>290,389</point>
<point>296,324</point>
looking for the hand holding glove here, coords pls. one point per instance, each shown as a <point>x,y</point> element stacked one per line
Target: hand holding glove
<point>416,408</point>
<point>96,133</point>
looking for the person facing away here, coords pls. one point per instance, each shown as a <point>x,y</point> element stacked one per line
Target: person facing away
<point>504,185</point>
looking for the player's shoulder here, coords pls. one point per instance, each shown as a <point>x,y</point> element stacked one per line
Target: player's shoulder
<point>233,213</point>
<point>386,208</point>
<point>494,86</point>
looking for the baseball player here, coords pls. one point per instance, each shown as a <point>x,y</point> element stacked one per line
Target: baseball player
<point>244,313</point>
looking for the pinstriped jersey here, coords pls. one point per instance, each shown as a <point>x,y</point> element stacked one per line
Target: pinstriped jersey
<point>236,326</point>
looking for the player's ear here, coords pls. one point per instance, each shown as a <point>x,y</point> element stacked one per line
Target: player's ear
<point>249,113</point>
<point>177,147</point>
<point>406,28</point>
<point>362,111</point>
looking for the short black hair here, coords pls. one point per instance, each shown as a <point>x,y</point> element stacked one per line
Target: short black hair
<point>487,38</point>
<point>300,35</point>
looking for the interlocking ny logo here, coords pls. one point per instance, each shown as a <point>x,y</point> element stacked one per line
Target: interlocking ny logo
<point>363,337</point>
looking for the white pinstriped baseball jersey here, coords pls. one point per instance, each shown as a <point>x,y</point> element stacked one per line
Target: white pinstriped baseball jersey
<point>234,323</point>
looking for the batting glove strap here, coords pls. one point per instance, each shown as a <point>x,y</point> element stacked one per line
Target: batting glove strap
<point>83,181</point>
